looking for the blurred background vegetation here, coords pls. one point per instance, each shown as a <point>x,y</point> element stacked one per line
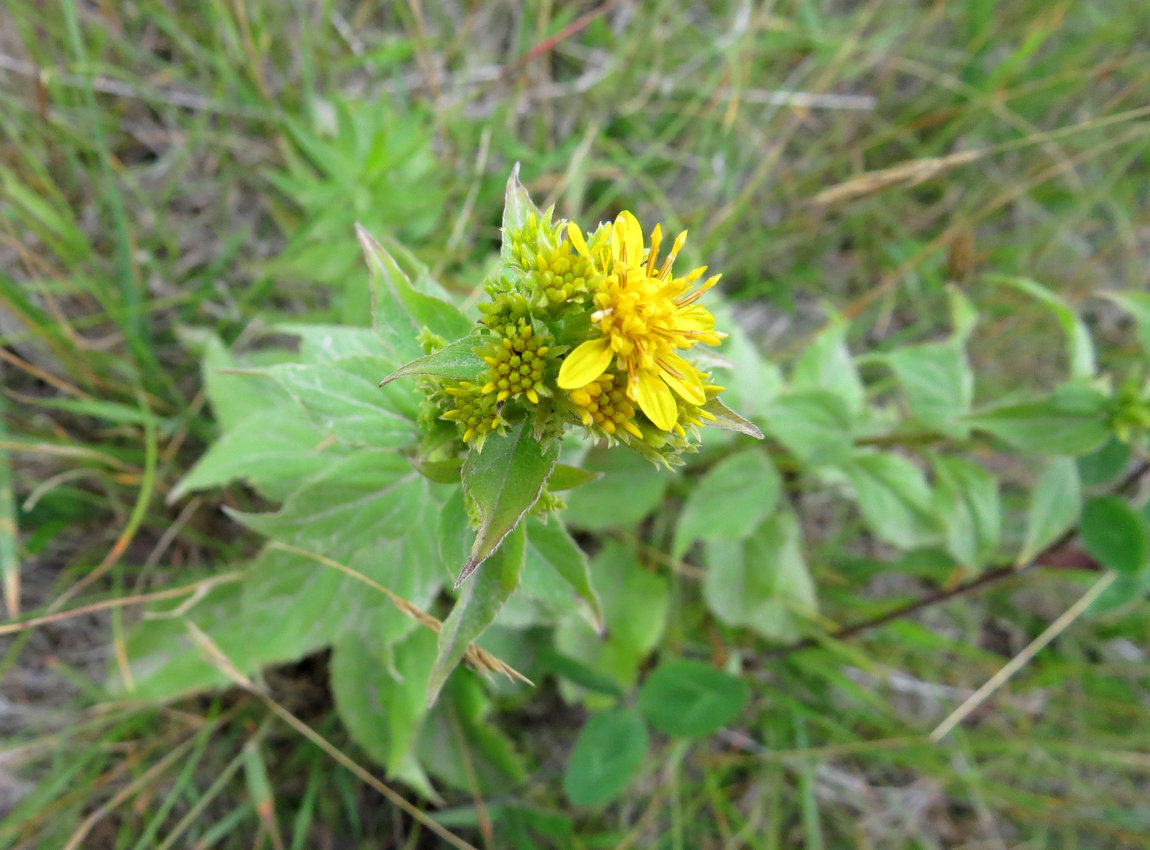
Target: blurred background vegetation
<point>176,165</point>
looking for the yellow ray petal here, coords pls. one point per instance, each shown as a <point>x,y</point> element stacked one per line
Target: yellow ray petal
<point>695,319</point>
<point>676,246</point>
<point>653,254</point>
<point>698,293</point>
<point>691,276</point>
<point>585,363</point>
<point>627,239</point>
<point>577,240</point>
<point>683,378</point>
<point>654,399</point>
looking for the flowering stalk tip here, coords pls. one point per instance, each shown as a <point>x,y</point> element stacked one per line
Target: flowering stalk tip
<point>586,329</point>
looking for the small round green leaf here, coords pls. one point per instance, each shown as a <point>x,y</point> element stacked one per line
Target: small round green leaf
<point>1124,590</point>
<point>689,699</point>
<point>1114,534</point>
<point>730,501</point>
<point>610,749</point>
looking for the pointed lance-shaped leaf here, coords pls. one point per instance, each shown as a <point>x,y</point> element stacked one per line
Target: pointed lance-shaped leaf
<point>569,477</point>
<point>517,206</point>
<point>476,608</point>
<point>728,420</point>
<point>399,309</point>
<point>457,361</point>
<point>505,480</point>
<point>1083,363</point>
<point>552,545</point>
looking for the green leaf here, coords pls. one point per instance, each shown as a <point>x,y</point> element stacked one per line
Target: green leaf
<point>287,605</point>
<point>234,397</point>
<point>1104,463</point>
<point>406,566</point>
<point>751,380</point>
<point>1072,421</point>
<point>463,746</point>
<point>635,604</point>
<point>550,544</point>
<point>630,489</point>
<point>543,595</point>
<point>815,426</point>
<point>938,383</point>
<point>1114,534</point>
<point>380,694</point>
<point>895,500</point>
<point>505,480</point>
<point>399,309</point>
<point>272,450</point>
<point>458,362</point>
<point>578,672</point>
<point>566,477</point>
<point>438,471</point>
<point>729,501</point>
<point>323,344</point>
<point>1124,590</point>
<point>690,699</point>
<point>293,604</point>
<point>826,364</point>
<point>1082,363</point>
<point>454,531</point>
<point>963,315</point>
<point>1137,304</point>
<point>1054,506</point>
<point>164,661</point>
<point>762,582</point>
<point>345,405</point>
<point>477,608</point>
<point>728,420</point>
<point>967,500</point>
<point>359,500</point>
<point>610,748</point>
<point>517,207</point>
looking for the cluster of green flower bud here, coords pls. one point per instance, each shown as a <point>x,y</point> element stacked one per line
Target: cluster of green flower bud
<point>548,504</point>
<point>477,413</point>
<point>538,233</point>
<point>1130,410</point>
<point>505,313</point>
<point>557,276</point>
<point>517,363</point>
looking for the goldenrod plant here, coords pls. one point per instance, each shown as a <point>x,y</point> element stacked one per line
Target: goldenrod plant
<point>544,587</point>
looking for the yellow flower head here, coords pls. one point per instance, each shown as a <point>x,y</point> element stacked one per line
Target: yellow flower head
<point>644,315</point>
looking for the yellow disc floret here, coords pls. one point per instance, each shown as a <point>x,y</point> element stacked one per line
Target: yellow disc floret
<point>603,406</point>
